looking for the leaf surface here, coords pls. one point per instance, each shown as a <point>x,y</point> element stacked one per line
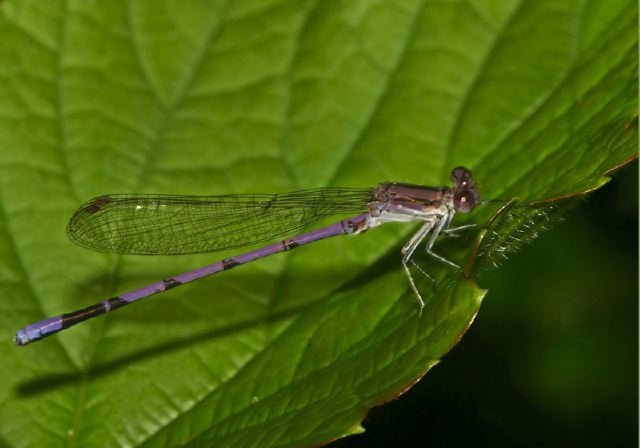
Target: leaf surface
<point>538,98</point>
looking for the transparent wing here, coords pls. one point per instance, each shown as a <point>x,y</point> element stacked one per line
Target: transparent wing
<point>171,224</point>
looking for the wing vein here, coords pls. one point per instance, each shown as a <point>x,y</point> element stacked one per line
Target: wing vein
<point>172,224</point>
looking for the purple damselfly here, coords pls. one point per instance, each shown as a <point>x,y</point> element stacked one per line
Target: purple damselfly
<point>166,224</point>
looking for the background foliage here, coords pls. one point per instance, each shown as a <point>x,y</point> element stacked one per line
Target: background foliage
<point>539,98</point>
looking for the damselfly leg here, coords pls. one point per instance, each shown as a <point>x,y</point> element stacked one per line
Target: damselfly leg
<point>407,252</point>
<point>453,233</point>
<point>434,236</point>
<point>436,225</point>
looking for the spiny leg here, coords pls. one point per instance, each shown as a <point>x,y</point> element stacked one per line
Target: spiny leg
<point>454,231</point>
<point>407,252</point>
<point>432,240</point>
<point>422,271</point>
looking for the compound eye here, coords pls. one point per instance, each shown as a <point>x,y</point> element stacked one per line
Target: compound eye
<point>465,200</point>
<point>461,177</point>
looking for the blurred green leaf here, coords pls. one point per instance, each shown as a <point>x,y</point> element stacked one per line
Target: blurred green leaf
<point>539,98</point>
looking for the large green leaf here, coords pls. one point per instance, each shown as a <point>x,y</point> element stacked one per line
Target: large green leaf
<point>539,98</point>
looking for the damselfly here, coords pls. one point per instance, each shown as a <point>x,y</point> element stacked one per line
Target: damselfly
<point>166,224</point>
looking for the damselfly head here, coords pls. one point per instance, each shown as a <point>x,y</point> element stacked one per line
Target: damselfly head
<point>465,200</point>
<point>465,194</point>
<point>461,178</point>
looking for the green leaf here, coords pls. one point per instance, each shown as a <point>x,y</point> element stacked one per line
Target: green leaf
<point>538,98</point>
